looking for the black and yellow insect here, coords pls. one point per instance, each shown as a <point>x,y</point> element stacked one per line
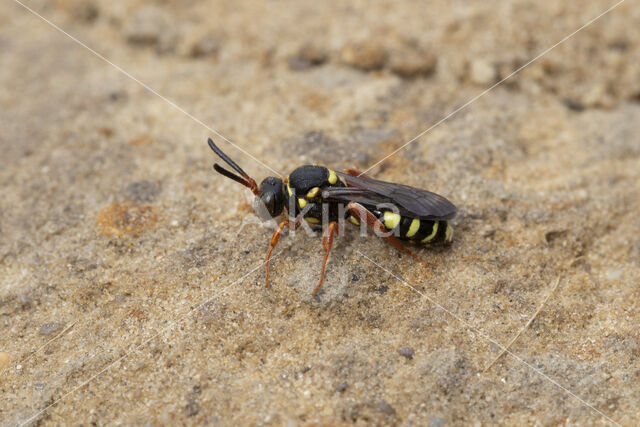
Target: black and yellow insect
<point>314,192</point>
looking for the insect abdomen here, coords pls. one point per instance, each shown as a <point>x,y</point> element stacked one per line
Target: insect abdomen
<point>424,231</point>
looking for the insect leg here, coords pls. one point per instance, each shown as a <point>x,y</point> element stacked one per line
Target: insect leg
<point>275,238</point>
<point>358,211</point>
<point>354,172</point>
<point>327,243</point>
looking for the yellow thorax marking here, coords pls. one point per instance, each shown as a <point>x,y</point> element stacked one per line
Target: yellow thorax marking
<point>353,220</point>
<point>313,192</point>
<point>433,233</point>
<point>312,220</point>
<point>289,190</point>
<point>391,220</point>
<point>302,202</point>
<point>333,178</point>
<point>414,227</point>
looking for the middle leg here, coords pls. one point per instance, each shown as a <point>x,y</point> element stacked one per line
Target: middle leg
<point>327,244</point>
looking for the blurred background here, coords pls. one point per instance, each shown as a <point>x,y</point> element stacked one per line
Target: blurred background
<point>128,295</point>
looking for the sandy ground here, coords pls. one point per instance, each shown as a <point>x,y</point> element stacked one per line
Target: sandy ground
<point>129,294</point>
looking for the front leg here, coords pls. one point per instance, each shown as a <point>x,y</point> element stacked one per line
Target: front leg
<point>327,244</point>
<point>274,241</point>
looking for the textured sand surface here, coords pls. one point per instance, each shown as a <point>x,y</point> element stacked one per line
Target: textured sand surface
<point>129,295</point>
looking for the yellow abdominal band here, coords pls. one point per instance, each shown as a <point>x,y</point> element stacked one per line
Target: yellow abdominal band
<point>414,227</point>
<point>391,220</point>
<point>434,231</point>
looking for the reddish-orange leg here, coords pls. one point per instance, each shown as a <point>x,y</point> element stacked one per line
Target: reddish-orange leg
<point>363,215</point>
<point>274,241</point>
<point>327,243</point>
<point>355,172</point>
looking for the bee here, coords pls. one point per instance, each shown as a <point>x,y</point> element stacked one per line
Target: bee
<point>321,196</point>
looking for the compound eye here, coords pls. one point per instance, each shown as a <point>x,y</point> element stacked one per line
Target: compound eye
<point>268,201</point>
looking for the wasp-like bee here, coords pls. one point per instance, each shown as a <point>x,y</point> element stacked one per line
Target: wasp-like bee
<point>320,195</point>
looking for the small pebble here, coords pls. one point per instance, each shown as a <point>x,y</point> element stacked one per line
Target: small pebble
<point>366,56</point>
<point>50,328</point>
<point>573,104</point>
<point>598,96</point>
<point>86,11</point>
<point>192,408</point>
<point>613,274</point>
<point>146,26</point>
<point>382,289</point>
<point>308,56</point>
<point>341,387</point>
<point>412,63</point>
<point>25,301</point>
<point>207,45</point>
<point>436,422</point>
<point>142,191</point>
<point>407,352</point>
<point>555,235</point>
<point>481,72</point>
<point>489,233</point>
<point>386,408</point>
<point>5,359</point>
<point>505,71</point>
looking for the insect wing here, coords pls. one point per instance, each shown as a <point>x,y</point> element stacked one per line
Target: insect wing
<point>416,202</point>
<point>357,195</point>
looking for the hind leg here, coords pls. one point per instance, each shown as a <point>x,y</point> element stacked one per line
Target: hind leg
<point>362,214</point>
<point>354,172</point>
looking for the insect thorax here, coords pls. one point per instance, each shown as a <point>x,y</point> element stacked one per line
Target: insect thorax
<point>304,191</point>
